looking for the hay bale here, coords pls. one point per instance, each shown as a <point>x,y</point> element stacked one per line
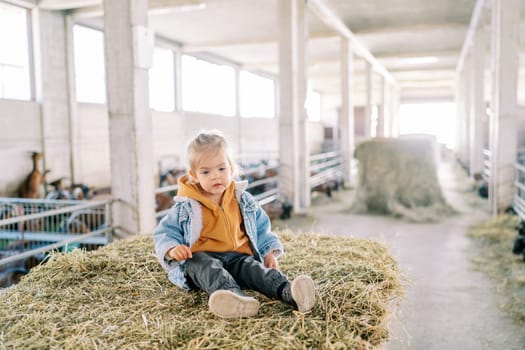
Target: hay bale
<point>494,239</point>
<point>119,298</point>
<point>398,177</point>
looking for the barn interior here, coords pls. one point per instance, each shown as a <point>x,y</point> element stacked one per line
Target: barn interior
<point>397,121</point>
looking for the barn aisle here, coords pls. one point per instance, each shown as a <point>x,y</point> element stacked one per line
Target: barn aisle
<point>448,304</point>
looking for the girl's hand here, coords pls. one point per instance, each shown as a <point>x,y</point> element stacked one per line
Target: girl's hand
<point>271,262</point>
<point>180,252</point>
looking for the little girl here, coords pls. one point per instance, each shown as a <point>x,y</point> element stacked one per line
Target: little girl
<point>217,238</point>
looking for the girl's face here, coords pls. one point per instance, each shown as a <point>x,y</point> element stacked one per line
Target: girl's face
<point>214,174</point>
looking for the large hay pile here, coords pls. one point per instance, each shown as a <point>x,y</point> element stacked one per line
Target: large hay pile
<point>399,177</point>
<point>494,256</point>
<point>119,298</point>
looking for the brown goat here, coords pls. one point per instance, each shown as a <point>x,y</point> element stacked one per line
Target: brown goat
<point>32,185</point>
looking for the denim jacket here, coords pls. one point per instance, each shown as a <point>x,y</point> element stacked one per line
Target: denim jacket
<point>183,224</point>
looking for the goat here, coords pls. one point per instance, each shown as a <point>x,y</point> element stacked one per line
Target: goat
<point>519,243</point>
<point>32,187</point>
<point>60,190</point>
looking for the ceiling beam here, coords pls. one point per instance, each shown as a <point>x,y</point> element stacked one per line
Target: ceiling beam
<point>66,5</point>
<point>469,39</point>
<point>28,4</point>
<point>403,55</point>
<point>327,61</point>
<point>410,29</point>
<point>324,13</point>
<point>154,7</point>
<point>209,46</point>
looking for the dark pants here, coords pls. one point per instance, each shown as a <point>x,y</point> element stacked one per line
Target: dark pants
<point>214,271</point>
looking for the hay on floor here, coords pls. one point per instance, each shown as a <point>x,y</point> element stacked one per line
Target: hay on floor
<point>119,298</point>
<point>399,177</point>
<point>494,256</point>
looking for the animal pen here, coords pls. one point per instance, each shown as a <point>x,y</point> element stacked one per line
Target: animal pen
<point>518,202</point>
<point>29,228</point>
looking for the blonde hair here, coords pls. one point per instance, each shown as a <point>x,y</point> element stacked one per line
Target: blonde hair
<point>207,141</point>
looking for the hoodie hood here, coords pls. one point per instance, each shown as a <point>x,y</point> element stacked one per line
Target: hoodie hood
<point>186,187</point>
<point>190,189</point>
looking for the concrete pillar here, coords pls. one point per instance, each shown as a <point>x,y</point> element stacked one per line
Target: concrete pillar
<point>51,91</point>
<point>177,71</point>
<point>395,102</point>
<point>293,143</point>
<point>477,102</point>
<point>465,154</point>
<point>460,100</point>
<point>381,114</point>
<point>504,121</point>
<point>238,110</point>
<point>387,100</point>
<point>462,108</point>
<point>72,101</point>
<point>368,99</point>
<point>129,54</point>
<point>347,108</point>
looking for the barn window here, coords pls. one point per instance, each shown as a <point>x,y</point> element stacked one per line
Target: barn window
<point>15,81</point>
<point>207,87</point>
<point>161,81</point>
<point>257,95</point>
<point>89,64</point>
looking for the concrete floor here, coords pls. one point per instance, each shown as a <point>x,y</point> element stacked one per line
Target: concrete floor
<point>448,304</point>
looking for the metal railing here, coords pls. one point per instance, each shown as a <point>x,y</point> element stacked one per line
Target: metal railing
<point>263,179</point>
<point>325,168</point>
<point>485,170</point>
<point>32,226</point>
<point>270,194</point>
<point>518,203</point>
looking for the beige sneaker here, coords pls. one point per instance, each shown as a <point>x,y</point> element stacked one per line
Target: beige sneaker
<point>303,293</point>
<point>227,304</point>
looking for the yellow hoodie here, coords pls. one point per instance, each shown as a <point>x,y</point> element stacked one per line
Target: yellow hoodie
<point>222,226</point>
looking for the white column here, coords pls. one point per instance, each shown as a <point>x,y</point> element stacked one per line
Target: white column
<point>238,109</point>
<point>387,100</point>
<point>293,143</point>
<point>462,112</point>
<point>465,154</point>
<point>503,124</point>
<point>460,101</point>
<point>72,102</point>
<point>347,108</point>
<point>177,72</point>
<point>368,100</point>
<point>129,50</point>
<point>380,132</point>
<point>477,102</point>
<point>395,102</point>
<point>51,91</point>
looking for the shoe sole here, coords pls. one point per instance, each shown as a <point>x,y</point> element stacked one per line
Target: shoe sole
<point>303,293</point>
<point>227,304</point>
